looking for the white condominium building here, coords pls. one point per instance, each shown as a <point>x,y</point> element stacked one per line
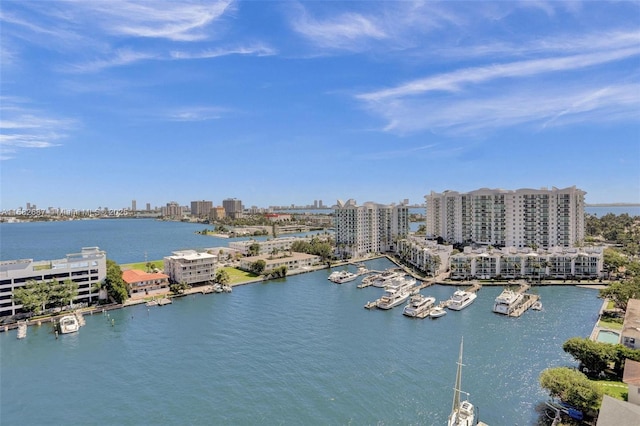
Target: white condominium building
<point>513,218</point>
<point>87,268</point>
<point>190,266</point>
<point>370,228</point>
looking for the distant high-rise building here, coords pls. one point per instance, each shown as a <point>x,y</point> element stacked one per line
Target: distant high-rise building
<point>315,204</point>
<point>134,206</point>
<point>370,228</point>
<point>320,205</point>
<point>233,207</point>
<point>201,208</point>
<point>541,218</point>
<point>172,210</point>
<point>148,207</point>
<point>216,213</point>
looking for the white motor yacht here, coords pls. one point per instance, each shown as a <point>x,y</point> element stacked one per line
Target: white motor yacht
<point>461,299</point>
<point>387,277</point>
<point>397,293</point>
<point>343,277</point>
<point>418,305</point>
<point>507,301</point>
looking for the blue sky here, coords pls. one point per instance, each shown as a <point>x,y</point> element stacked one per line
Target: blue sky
<point>279,103</point>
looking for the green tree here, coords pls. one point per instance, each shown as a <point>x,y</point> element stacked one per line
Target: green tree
<point>258,266</point>
<point>62,293</point>
<point>33,296</point>
<point>222,277</point>
<point>116,286</point>
<point>179,288</point>
<point>572,387</point>
<point>621,292</point>
<point>254,249</point>
<point>594,356</point>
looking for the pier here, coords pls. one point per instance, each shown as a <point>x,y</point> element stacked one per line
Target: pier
<point>527,301</point>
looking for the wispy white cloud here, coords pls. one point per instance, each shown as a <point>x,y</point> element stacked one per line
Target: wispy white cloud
<point>198,113</point>
<point>258,50</point>
<point>538,108</point>
<point>23,127</point>
<point>120,57</point>
<point>348,30</point>
<point>178,21</point>
<point>456,80</point>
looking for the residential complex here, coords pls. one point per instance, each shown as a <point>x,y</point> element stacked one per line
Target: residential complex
<point>201,209</point>
<point>293,261</point>
<point>87,268</point>
<point>370,228</point>
<point>233,208</point>
<point>270,246</point>
<point>508,218</point>
<point>190,266</point>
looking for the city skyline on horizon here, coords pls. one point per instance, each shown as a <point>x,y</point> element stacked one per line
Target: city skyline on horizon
<point>275,101</point>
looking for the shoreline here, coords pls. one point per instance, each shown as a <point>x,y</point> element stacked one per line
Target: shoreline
<point>439,280</point>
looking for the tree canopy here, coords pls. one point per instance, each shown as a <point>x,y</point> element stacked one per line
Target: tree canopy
<point>35,296</point>
<point>116,286</point>
<point>572,387</point>
<point>621,292</point>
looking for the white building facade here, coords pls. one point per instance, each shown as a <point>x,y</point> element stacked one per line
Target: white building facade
<point>370,228</point>
<point>508,218</point>
<point>87,268</point>
<point>191,267</point>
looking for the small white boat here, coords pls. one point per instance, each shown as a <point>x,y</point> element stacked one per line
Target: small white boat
<point>537,306</point>
<point>68,324</point>
<point>22,330</point>
<point>437,312</point>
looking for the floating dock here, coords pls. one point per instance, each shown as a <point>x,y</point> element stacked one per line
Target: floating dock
<point>527,301</point>
<point>164,301</point>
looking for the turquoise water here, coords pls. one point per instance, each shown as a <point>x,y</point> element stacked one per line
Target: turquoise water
<point>295,351</point>
<point>607,336</point>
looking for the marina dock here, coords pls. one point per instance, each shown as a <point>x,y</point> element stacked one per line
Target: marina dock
<point>527,301</point>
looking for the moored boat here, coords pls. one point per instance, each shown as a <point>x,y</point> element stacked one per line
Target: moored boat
<point>397,293</point>
<point>343,277</point>
<point>537,306</point>
<point>506,302</point>
<point>437,312</point>
<point>68,324</point>
<point>461,299</point>
<point>418,305</point>
<point>385,278</point>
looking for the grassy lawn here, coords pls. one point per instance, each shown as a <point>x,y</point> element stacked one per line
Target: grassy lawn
<point>142,265</point>
<point>610,324</point>
<point>614,389</point>
<point>237,276</point>
<point>610,305</point>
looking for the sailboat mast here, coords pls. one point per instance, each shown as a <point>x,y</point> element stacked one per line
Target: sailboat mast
<point>458,386</point>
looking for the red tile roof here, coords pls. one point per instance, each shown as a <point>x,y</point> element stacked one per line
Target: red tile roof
<point>131,276</point>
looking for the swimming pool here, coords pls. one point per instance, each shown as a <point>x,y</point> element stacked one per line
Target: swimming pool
<point>608,336</point>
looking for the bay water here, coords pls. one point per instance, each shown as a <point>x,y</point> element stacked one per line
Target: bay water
<point>300,350</point>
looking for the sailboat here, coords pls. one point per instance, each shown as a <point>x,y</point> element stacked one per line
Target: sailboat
<point>462,413</point>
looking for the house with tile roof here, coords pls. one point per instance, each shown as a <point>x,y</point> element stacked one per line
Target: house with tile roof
<point>142,284</point>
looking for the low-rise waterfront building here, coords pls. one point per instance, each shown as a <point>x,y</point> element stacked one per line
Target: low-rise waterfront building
<point>614,412</point>
<point>190,266</point>
<point>557,263</point>
<point>425,255</point>
<point>630,336</point>
<point>141,284</point>
<point>86,268</point>
<point>271,246</point>
<point>294,261</point>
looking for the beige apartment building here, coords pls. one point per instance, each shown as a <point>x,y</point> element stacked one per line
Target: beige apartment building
<point>191,267</point>
<point>508,218</point>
